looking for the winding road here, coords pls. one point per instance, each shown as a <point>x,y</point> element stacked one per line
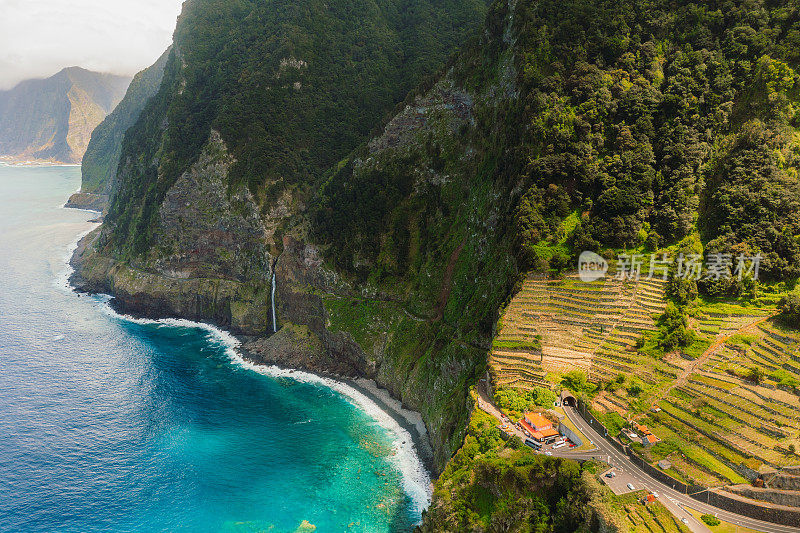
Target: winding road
<point>674,501</point>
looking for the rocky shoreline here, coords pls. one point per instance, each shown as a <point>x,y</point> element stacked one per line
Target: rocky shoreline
<point>293,347</point>
<point>88,202</point>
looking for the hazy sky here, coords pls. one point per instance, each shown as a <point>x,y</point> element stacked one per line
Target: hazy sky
<point>40,37</point>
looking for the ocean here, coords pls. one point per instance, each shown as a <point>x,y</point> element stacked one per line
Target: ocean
<point>108,423</point>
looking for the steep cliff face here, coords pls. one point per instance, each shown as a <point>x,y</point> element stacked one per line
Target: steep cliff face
<point>100,161</point>
<point>193,231</point>
<point>211,262</point>
<point>559,128</point>
<point>53,119</point>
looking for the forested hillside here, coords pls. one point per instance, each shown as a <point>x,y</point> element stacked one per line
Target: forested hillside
<point>101,159</point>
<point>291,86</point>
<point>396,237</point>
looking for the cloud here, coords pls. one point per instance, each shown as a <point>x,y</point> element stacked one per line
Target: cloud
<point>40,37</point>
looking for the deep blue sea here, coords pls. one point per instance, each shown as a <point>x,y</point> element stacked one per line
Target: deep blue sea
<point>112,424</point>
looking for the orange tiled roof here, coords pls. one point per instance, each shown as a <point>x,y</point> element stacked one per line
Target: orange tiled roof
<point>549,432</point>
<point>538,420</point>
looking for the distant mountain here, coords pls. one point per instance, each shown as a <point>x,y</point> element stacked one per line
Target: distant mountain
<point>52,119</point>
<point>102,155</point>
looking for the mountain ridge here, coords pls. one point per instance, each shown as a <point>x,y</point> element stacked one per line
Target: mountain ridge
<point>616,127</point>
<point>101,159</point>
<point>52,119</point>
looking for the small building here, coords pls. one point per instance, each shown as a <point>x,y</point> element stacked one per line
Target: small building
<point>648,439</point>
<point>539,428</point>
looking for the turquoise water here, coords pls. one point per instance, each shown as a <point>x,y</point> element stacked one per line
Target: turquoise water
<point>110,424</point>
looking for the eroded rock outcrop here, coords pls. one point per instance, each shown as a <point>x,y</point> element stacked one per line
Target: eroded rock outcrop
<point>212,262</point>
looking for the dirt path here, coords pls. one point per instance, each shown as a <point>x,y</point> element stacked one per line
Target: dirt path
<point>447,282</point>
<point>486,405</point>
<point>700,361</point>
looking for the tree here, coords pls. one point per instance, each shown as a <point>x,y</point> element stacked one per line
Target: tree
<point>755,374</point>
<point>790,309</point>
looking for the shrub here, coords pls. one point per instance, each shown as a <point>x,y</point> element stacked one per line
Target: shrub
<point>790,309</point>
<point>710,520</point>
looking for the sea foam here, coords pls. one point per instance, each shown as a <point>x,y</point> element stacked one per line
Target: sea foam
<point>62,279</point>
<point>415,478</point>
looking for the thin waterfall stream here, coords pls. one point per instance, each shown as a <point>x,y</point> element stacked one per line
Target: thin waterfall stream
<point>274,318</point>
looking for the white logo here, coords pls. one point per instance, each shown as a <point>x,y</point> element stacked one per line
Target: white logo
<point>591,266</point>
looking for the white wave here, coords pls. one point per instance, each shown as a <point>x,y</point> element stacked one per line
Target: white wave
<point>62,279</point>
<point>416,480</point>
<point>80,209</point>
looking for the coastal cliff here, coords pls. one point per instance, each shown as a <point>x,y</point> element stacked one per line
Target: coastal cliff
<point>101,158</point>
<point>212,262</point>
<point>52,119</point>
<point>397,217</point>
<point>213,193</point>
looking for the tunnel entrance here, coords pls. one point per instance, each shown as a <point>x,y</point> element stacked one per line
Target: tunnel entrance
<point>568,400</point>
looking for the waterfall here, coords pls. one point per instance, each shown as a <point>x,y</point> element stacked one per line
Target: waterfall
<point>274,318</point>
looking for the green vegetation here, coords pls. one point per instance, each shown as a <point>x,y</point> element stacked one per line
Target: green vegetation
<point>613,422</point>
<point>515,402</point>
<point>560,127</point>
<point>292,88</point>
<point>366,320</point>
<point>673,331</point>
<point>577,382</point>
<point>99,165</point>
<point>710,520</point>
<point>724,527</point>
<point>790,309</point>
<point>496,485</point>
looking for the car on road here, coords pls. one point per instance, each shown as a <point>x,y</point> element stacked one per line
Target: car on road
<point>548,453</point>
<point>684,520</point>
<point>655,495</point>
<point>631,487</point>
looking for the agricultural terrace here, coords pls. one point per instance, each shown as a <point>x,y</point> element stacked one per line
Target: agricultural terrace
<point>724,408</point>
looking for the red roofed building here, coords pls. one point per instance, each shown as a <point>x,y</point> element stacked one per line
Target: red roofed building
<point>539,428</point>
<point>648,439</point>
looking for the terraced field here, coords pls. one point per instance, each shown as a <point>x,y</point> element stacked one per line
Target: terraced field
<point>729,416</point>
<point>558,325</point>
<point>722,415</point>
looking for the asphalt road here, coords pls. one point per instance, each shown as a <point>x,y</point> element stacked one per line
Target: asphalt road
<point>671,498</point>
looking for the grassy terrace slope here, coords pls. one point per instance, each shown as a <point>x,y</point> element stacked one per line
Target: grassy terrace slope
<point>727,412</point>
<point>728,403</point>
<point>557,325</point>
<point>738,408</point>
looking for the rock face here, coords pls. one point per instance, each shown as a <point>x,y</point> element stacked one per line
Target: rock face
<point>305,339</point>
<point>198,221</point>
<point>99,164</point>
<point>88,201</point>
<point>53,119</point>
<point>211,264</point>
